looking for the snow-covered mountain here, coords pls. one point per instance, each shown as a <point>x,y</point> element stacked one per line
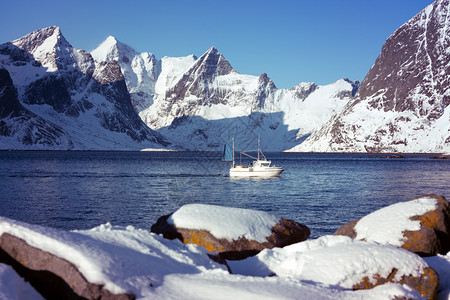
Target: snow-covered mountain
<point>57,97</point>
<point>403,102</point>
<point>199,104</point>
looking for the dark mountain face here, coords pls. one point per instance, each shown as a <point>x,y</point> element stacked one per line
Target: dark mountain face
<point>23,126</point>
<point>412,70</point>
<point>9,103</point>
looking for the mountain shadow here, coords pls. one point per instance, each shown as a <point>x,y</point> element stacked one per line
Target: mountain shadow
<point>198,134</point>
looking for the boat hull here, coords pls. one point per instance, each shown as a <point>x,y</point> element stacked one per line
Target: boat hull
<point>255,172</point>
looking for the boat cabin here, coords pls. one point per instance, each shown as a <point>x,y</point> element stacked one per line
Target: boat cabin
<point>261,163</point>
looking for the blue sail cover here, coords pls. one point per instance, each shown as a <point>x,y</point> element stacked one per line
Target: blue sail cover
<point>227,153</point>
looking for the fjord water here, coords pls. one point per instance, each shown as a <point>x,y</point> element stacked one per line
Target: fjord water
<point>83,189</point>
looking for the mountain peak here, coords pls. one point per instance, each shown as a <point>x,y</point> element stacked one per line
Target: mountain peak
<point>213,63</point>
<point>112,49</point>
<point>213,49</point>
<point>51,36</point>
<point>111,39</point>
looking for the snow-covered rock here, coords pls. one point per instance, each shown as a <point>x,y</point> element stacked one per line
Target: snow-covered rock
<point>344,262</point>
<point>232,233</point>
<point>88,101</point>
<point>419,225</point>
<point>120,260</point>
<point>403,102</point>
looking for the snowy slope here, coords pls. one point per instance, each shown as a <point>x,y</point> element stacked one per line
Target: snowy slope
<point>88,101</point>
<point>403,103</point>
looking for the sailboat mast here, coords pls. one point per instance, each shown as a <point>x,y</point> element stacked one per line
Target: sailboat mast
<point>233,152</point>
<point>259,137</point>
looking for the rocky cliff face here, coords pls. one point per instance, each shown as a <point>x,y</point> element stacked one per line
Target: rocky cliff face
<point>403,102</point>
<point>88,101</point>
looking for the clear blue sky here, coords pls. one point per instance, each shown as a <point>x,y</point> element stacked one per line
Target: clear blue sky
<point>292,41</point>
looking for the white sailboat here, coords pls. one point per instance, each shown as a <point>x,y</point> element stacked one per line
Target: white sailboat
<point>260,167</point>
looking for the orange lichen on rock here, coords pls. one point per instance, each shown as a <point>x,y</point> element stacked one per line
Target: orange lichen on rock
<point>426,285</point>
<point>202,238</point>
<point>433,236</point>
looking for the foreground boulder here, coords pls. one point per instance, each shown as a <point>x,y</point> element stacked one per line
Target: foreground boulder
<point>105,262</point>
<point>52,276</point>
<point>340,261</point>
<point>232,233</point>
<point>420,225</point>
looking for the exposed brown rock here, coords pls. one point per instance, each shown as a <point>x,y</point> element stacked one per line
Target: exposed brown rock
<point>347,229</point>
<point>52,276</point>
<point>432,237</point>
<point>284,233</point>
<point>426,285</point>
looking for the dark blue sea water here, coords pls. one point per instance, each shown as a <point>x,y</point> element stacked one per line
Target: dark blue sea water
<point>80,190</point>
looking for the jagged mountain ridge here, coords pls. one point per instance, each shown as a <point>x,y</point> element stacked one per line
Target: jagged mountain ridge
<point>62,86</point>
<point>403,102</point>
<point>197,103</point>
<point>206,102</point>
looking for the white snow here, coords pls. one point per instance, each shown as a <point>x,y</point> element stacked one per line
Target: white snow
<point>335,261</point>
<point>107,50</point>
<point>313,111</point>
<point>387,224</point>
<point>172,68</point>
<point>251,224</point>
<point>370,128</point>
<point>86,131</point>
<point>127,259</point>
